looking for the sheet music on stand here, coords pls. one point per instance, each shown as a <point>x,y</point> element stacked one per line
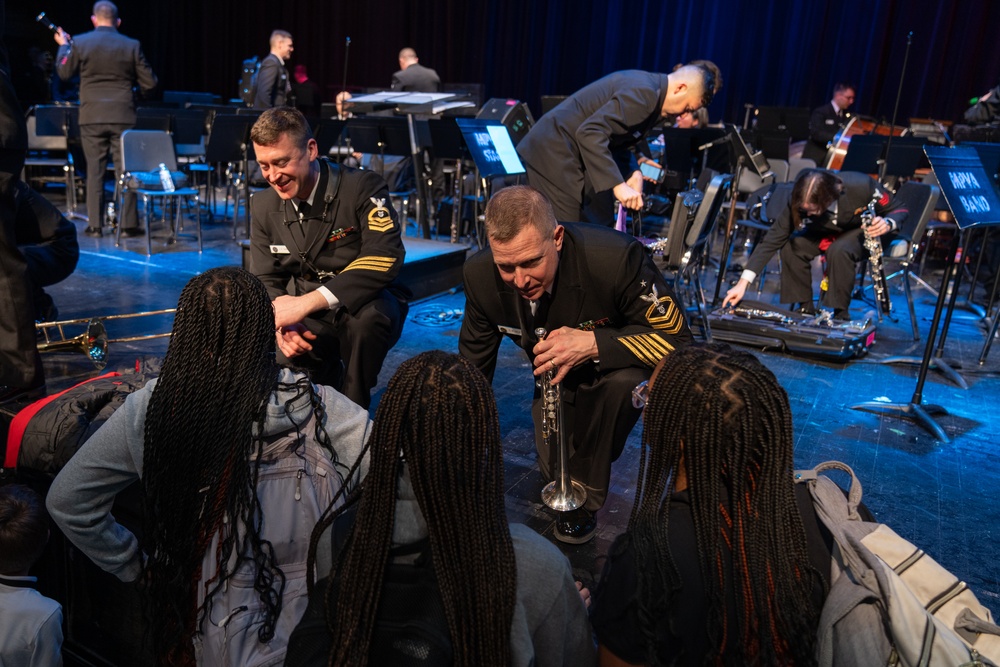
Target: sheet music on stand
<point>973,201</point>
<point>410,102</point>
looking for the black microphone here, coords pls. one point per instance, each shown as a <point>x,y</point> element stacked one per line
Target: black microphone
<point>44,20</point>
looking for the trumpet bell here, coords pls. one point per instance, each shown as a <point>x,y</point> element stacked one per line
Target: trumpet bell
<point>564,494</point>
<point>96,344</point>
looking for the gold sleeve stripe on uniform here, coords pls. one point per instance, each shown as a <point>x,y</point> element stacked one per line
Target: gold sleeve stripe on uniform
<point>649,348</point>
<point>381,264</point>
<point>672,322</point>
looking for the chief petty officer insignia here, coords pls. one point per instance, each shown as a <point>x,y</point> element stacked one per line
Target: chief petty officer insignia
<point>379,218</point>
<point>662,313</point>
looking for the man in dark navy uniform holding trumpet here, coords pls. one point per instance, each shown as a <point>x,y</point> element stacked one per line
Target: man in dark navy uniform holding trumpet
<point>610,316</point>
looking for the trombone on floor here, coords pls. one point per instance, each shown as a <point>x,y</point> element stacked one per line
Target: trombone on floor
<point>93,342</point>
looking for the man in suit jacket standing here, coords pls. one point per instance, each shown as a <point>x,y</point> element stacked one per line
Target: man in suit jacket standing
<point>273,85</point>
<point>610,316</point>
<point>820,213</point>
<point>110,65</point>
<point>579,153</point>
<point>332,232</point>
<point>414,77</point>
<point>826,121</point>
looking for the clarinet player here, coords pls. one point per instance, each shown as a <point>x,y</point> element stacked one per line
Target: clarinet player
<point>820,213</point>
<point>610,317</point>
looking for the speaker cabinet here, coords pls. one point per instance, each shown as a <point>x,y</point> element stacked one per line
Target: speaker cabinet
<point>514,115</point>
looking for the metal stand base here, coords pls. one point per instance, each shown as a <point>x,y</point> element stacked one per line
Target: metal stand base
<point>921,414</point>
<point>564,500</point>
<point>936,364</point>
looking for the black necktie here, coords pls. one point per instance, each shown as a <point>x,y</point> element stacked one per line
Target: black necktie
<point>304,210</point>
<point>541,314</point>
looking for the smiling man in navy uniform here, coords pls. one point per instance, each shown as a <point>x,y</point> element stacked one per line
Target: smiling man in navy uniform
<point>610,315</point>
<point>332,232</point>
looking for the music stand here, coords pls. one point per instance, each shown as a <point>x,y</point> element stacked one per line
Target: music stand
<point>448,143</point>
<point>989,155</point>
<point>59,120</point>
<point>228,142</point>
<point>974,203</point>
<point>905,156</point>
<point>329,132</point>
<point>491,148</point>
<point>682,148</point>
<point>745,158</point>
<point>863,153</point>
<point>775,120</point>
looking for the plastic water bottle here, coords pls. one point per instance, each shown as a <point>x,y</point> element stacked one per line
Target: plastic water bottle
<point>166,180</point>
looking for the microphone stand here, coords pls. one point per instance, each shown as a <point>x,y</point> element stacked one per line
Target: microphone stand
<point>342,114</point>
<point>895,109</point>
<point>343,81</point>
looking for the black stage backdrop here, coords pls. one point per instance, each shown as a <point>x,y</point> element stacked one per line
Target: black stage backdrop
<point>772,52</point>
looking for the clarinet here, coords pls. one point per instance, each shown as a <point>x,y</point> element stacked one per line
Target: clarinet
<point>874,246</point>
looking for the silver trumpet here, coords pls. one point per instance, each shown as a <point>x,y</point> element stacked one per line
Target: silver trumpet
<point>562,493</point>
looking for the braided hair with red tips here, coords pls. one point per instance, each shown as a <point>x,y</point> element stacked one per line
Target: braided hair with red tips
<point>720,417</point>
<point>201,458</point>
<point>438,418</point>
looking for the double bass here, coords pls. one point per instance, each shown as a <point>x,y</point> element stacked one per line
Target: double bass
<point>856,125</point>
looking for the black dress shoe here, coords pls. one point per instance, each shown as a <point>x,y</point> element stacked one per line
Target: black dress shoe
<point>132,231</point>
<point>93,231</point>
<point>576,526</point>
<point>9,393</point>
<point>842,315</point>
<point>806,308</point>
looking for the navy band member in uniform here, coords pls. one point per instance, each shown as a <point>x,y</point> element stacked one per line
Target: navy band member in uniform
<point>332,232</point>
<point>826,121</point>
<point>610,317</point>
<point>273,84</point>
<point>579,154</point>
<point>820,213</point>
<point>109,65</point>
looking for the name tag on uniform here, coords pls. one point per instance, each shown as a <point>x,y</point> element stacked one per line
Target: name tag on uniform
<point>510,331</point>
<point>830,121</point>
<point>279,250</point>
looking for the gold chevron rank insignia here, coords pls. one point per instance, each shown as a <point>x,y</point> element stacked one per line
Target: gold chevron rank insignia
<point>379,218</point>
<point>662,313</point>
<point>371,263</point>
<point>648,348</point>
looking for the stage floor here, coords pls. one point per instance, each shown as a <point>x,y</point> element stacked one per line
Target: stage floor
<point>940,496</point>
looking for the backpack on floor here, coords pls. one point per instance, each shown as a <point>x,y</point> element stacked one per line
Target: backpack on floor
<point>45,434</point>
<point>889,602</point>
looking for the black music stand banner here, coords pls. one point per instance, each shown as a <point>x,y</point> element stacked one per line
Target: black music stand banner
<point>966,186</point>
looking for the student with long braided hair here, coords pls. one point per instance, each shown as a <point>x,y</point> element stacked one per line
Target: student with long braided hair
<point>724,561</point>
<point>201,439</point>
<point>437,475</point>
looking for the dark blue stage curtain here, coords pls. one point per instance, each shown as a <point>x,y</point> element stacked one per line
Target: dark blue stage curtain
<point>772,52</point>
